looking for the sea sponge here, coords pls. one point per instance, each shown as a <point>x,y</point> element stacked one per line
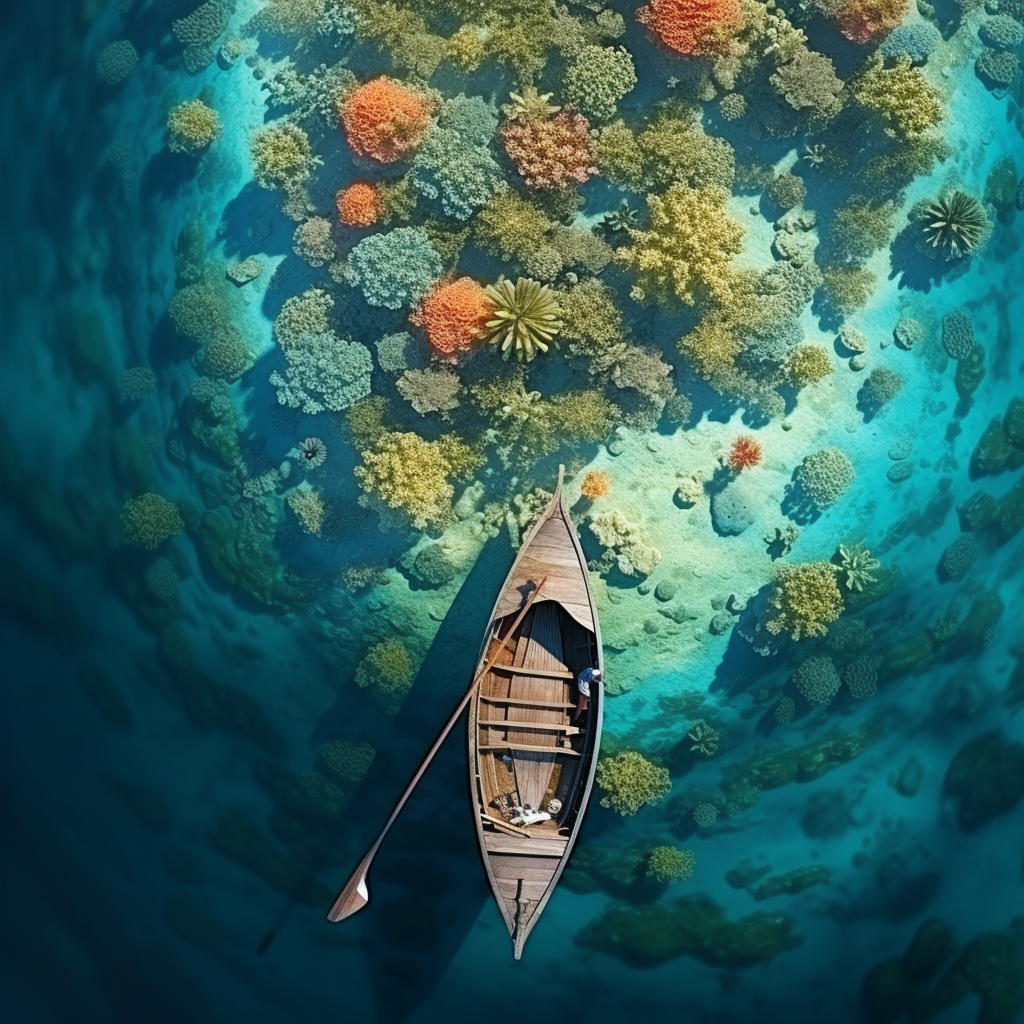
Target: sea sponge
<point>907,102</point>
<point>192,126</point>
<point>817,681</point>
<point>150,519</point>
<point>322,372</point>
<point>694,28</point>
<point>959,556</point>
<point>197,312</point>
<point>225,354</point>
<point>628,543</point>
<point>670,864</point>
<point>631,782</point>
<point>411,475</point>
<point>395,268</point>
<point>804,600</point>
<point>595,485</point>
<point>313,241</point>
<point>744,453</point>
<point>162,579</point>
<point>433,567</point>
<point>453,315</point>
<point>344,761</point>
<point>705,814</point>
<point>597,79</point>
<point>825,476</point>
<point>867,21</point>
<point>551,153</point>
<point>282,156</point>
<point>384,120</point>
<point>958,334</point>
<point>808,364</point>
<point>387,668</point>
<point>785,708</point>
<point>115,61</point>
<point>359,205</point>
<point>686,254</point>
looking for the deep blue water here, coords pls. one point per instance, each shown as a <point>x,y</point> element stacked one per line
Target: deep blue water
<point>171,829</point>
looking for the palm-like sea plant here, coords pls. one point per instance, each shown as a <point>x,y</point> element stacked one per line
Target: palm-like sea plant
<point>525,318</point>
<point>956,224</point>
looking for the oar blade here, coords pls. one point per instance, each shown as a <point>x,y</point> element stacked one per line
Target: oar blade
<point>353,897</point>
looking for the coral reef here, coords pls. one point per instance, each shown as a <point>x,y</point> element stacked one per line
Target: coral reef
<point>597,79</point>
<point>454,315</point>
<point>359,205</point>
<point>805,600</point>
<point>149,520</point>
<point>192,127</point>
<point>670,864</point>
<point>630,782</point>
<point>825,476</point>
<point>705,28</point>
<point>384,120</point>
<point>394,269</point>
<point>550,153</point>
<point>628,546</point>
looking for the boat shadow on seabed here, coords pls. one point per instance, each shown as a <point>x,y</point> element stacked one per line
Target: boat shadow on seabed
<point>427,885</point>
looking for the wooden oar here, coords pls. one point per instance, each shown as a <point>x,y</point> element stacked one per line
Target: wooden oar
<point>356,894</point>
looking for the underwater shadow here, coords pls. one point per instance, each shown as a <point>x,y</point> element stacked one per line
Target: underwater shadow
<point>251,220</point>
<point>166,174</point>
<point>428,884</point>
<point>798,506</point>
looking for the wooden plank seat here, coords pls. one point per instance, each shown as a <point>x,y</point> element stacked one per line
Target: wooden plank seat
<point>522,670</point>
<point>523,702</point>
<point>509,723</point>
<point>530,747</point>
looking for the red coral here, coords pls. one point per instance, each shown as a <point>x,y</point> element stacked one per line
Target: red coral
<point>384,120</point>
<point>359,205</point>
<point>869,21</point>
<point>694,28</point>
<point>551,153</point>
<point>453,314</point>
<point>744,453</point>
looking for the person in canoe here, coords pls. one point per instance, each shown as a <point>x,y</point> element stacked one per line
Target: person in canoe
<point>586,677</point>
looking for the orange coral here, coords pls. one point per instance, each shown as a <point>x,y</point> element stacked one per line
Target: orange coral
<point>744,453</point>
<point>595,484</point>
<point>359,205</point>
<point>453,315</point>
<point>694,28</point>
<point>551,153</point>
<point>384,120</point>
<point>868,21</point>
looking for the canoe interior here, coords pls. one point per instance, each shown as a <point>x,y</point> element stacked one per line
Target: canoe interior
<point>531,750</point>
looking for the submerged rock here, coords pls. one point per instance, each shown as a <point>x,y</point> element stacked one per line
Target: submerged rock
<point>985,779</point>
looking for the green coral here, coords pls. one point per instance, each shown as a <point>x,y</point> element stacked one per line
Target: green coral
<point>386,668</point>
<point>282,156</point>
<point>686,254</point>
<point>597,79</point>
<point>344,761</point>
<point>150,519</point>
<point>670,864</point>
<point>825,476</point>
<point>631,782</point>
<point>909,105</point>
<point>808,364</point>
<point>817,681</point>
<point>805,600</point>
<point>524,317</point>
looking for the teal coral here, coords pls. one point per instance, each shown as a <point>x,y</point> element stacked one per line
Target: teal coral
<point>394,269</point>
<point>322,372</point>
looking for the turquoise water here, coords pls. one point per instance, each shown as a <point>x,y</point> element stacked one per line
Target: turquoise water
<point>250,540</point>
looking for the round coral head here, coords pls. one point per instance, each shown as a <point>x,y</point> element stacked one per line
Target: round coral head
<point>744,453</point>
<point>595,484</point>
<point>384,120</point>
<point>359,205</point>
<point>693,28</point>
<point>453,315</point>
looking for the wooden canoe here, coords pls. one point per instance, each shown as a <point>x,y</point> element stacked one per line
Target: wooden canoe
<point>526,748</point>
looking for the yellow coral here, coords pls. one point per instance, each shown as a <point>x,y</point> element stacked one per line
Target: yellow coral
<point>908,103</point>
<point>686,255</point>
<point>805,599</point>
<point>191,127</point>
<point>150,519</point>
<point>387,669</point>
<point>670,864</point>
<point>411,475</point>
<point>807,364</point>
<point>711,347</point>
<point>309,509</point>
<point>631,782</point>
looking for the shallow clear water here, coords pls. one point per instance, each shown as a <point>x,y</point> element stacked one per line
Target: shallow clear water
<point>209,629</point>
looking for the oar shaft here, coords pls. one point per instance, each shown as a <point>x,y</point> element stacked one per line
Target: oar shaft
<point>344,905</point>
